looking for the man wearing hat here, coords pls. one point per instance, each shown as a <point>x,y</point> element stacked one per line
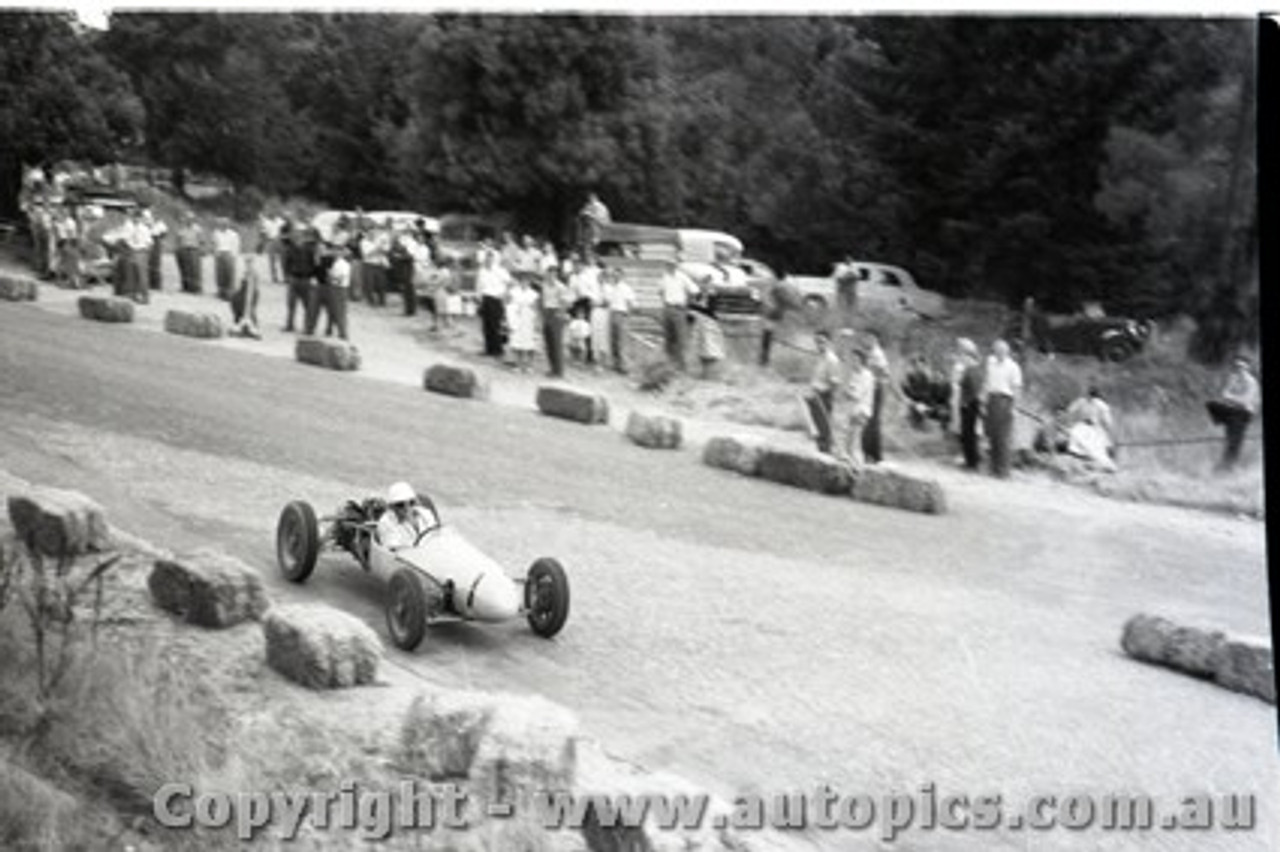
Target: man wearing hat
<point>1234,408</point>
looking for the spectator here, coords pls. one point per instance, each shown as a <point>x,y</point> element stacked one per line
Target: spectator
<point>400,260</point>
<point>42,239</point>
<point>593,214</point>
<point>579,336</point>
<point>878,363</point>
<point>226,248</point>
<point>821,398</point>
<point>556,298</point>
<point>491,283</point>
<point>522,312</point>
<point>1234,409</point>
<point>244,303</point>
<point>190,245</point>
<point>375,251</point>
<point>452,300</point>
<point>1002,384</point>
<point>1091,430</point>
<point>586,298</point>
<point>708,338</point>
<point>301,271</point>
<point>619,299</point>
<point>155,254</point>
<point>66,233</point>
<point>337,283</point>
<point>969,396</point>
<point>860,391</point>
<point>138,239</point>
<point>270,236</point>
<point>677,290</point>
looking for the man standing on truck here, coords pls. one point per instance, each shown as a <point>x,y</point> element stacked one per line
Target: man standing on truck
<point>590,218</point>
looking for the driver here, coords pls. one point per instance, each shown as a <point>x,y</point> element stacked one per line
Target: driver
<point>404,520</point>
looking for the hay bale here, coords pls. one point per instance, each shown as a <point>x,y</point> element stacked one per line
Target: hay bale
<point>331,354</point>
<point>453,380</point>
<point>1157,640</point>
<point>652,430</point>
<point>440,736</point>
<point>573,404</point>
<point>54,522</point>
<point>208,588</point>
<point>1245,666</point>
<point>499,744</point>
<point>321,647</point>
<point>737,454</point>
<point>192,324</point>
<point>807,469</point>
<point>17,289</point>
<point>106,308</point>
<point>885,487</point>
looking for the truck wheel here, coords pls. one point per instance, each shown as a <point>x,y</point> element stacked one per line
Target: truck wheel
<point>1116,350</point>
<point>814,305</point>
<point>546,596</point>
<point>406,609</point>
<point>297,541</point>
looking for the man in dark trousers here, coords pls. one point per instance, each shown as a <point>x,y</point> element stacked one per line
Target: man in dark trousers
<point>300,267</point>
<point>556,297</point>
<point>1234,409</point>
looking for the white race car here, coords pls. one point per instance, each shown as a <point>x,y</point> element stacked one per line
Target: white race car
<point>442,577</point>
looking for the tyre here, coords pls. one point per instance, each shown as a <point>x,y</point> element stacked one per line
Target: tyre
<point>1115,350</point>
<point>297,541</point>
<point>814,305</point>
<point>407,603</point>
<point>546,596</point>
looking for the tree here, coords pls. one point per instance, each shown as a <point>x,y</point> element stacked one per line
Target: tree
<point>59,99</point>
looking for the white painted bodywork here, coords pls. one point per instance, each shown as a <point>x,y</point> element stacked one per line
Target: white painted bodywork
<point>481,588</point>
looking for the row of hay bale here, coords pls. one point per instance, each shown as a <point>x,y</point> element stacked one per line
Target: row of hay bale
<point>1239,664</point>
<point>814,471</point>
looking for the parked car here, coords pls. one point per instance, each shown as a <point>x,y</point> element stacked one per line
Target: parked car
<point>459,241</point>
<point>642,253</point>
<point>1106,337</point>
<point>879,285</point>
<point>327,221</point>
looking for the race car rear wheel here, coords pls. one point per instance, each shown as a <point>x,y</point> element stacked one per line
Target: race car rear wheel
<point>546,596</point>
<point>407,604</point>
<point>297,541</point>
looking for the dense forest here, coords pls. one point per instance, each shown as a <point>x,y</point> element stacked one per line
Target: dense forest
<point>1066,159</point>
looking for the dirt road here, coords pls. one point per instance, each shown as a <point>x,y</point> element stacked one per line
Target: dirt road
<point>746,635</point>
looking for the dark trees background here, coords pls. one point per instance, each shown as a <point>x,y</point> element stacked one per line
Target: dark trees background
<point>1066,159</point>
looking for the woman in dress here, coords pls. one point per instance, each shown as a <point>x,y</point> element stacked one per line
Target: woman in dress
<point>522,308</point>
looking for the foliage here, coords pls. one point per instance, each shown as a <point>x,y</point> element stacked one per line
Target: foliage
<point>1068,159</point>
<point>50,592</point>
<point>59,99</point>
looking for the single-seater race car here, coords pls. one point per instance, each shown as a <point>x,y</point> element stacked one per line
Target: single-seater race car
<point>441,577</point>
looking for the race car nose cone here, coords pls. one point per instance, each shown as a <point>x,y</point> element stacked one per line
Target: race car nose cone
<point>493,598</point>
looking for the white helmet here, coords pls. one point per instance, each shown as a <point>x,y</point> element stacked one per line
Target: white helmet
<point>401,492</point>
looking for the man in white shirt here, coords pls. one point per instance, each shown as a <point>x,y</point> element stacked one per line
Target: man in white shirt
<point>155,252</point>
<point>619,299</point>
<point>822,390</point>
<point>1234,409</point>
<point>405,520</point>
<point>338,281</point>
<point>226,248</point>
<point>677,290</point>
<point>491,284</point>
<point>270,232</point>
<point>1002,383</point>
<point>861,391</point>
<point>137,240</point>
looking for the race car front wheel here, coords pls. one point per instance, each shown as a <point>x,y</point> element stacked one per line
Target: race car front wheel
<point>546,596</point>
<point>297,541</point>
<point>406,609</point>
